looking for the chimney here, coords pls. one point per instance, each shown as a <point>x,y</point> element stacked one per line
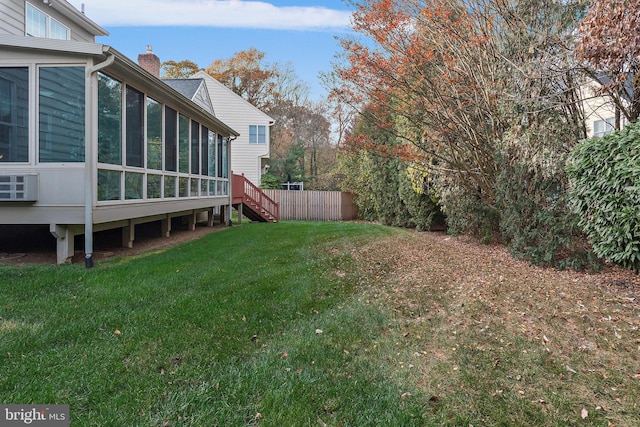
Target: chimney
<point>150,62</point>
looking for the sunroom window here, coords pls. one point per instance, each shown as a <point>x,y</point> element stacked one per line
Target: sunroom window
<point>14,114</point>
<point>62,114</point>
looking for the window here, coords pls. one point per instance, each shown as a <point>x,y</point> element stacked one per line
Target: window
<point>219,156</point>
<point>109,120</point>
<point>61,120</point>
<point>14,114</point>
<point>135,128</point>
<point>39,24</point>
<point>195,147</point>
<point>154,186</point>
<point>108,185</point>
<point>154,134</point>
<point>204,149</point>
<point>257,134</point>
<point>212,153</point>
<point>603,127</point>
<point>183,144</point>
<point>133,183</point>
<point>170,135</point>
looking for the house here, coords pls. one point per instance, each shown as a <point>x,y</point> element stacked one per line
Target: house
<point>252,147</point>
<point>600,109</point>
<point>90,140</point>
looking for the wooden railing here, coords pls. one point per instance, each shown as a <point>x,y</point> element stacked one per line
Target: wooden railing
<point>247,193</point>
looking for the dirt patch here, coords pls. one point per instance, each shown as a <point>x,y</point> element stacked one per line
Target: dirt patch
<point>22,245</point>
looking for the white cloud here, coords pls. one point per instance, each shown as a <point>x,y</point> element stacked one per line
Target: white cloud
<point>212,13</point>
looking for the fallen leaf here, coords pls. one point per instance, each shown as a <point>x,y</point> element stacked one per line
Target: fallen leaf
<point>405,394</point>
<point>284,356</point>
<point>584,413</point>
<point>318,331</point>
<point>117,332</point>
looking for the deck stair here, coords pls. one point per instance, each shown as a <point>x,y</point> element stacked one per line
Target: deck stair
<point>251,201</point>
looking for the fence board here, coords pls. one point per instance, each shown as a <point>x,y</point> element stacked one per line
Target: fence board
<point>314,205</point>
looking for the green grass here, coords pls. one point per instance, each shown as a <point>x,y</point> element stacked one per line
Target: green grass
<point>313,324</point>
<point>218,331</point>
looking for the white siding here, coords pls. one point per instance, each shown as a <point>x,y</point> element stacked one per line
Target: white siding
<point>596,107</point>
<point>238,114</point>
<point>12,17</point>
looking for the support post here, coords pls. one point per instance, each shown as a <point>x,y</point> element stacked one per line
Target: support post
<point>64,242</point>
<point>191,221</point>
<point>210,218</point>
<point>165,224</point>
<point>128,235</point>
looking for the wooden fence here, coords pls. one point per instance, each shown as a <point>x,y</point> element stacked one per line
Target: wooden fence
<point>314,205</point>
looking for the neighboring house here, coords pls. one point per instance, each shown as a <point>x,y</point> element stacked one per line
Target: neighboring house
<point>91,141</point>
<point>251,148</point>
<point>600,109</point>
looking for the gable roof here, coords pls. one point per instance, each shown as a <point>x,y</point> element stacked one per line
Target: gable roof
<point>194,89</point>
<point>187,87</point>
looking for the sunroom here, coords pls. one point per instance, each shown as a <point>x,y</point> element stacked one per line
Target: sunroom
<point>90,141</point>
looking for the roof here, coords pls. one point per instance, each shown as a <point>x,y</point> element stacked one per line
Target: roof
<point>187,87</point>
<point>78,17</point>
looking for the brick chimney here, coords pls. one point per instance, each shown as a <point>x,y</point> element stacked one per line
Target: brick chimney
<point>150,62</point>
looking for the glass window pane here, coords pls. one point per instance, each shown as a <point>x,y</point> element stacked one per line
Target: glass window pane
<point>195,147</point>
<point>58,31</point>
<point>183,144</point>
<point>204,144</point>
<point>195,187</point>
<point>203,187</point>
<point>154,134</point>
<point>135,127</point>
<point>14,114</point>
<point>169,186</point>
<point>183,190</point>
<point>36,22</point>
<point>109,120</point>
<point>170,135</point>
<point>219,156</point>
<point>253,134</point>
<point>262,134</point>
<point>108,185</point>
<point>225,158</point>
<point>133,186</point>
<point>212,153</point>
<point>61,114</point>
<point>154,186</point>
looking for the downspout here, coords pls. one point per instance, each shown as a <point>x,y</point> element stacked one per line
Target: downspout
<point>90,164</point>
<point>230,177</point>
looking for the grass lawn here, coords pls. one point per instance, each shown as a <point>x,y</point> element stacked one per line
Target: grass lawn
<point>336,324</point>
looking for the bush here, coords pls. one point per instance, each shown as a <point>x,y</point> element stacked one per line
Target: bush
<point>535,219</point>
<point>605,194</point>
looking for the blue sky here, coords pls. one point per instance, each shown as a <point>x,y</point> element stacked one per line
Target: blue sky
<point>300,32</point>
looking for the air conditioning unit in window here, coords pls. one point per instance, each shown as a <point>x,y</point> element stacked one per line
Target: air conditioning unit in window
<point>19,188</point>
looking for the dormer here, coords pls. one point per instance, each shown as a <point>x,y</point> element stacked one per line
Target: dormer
<point>52,19</point>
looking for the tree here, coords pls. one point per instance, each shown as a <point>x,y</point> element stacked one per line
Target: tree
<point>179,70</point>
<point>247,75</point>
<point>610,44</point>
<point>463,86</point>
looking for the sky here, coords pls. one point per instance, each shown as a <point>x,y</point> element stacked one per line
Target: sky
<point>300,32</point>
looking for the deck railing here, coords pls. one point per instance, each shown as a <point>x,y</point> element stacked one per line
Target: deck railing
<point>246,192</point>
